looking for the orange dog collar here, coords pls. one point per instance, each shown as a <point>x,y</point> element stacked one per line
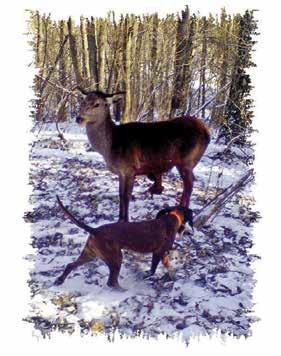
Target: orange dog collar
<point>177,216</point>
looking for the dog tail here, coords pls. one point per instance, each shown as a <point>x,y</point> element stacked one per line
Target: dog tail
<point>83,226</point>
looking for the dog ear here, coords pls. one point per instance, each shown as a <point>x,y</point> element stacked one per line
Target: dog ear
<point>188,217</point>
<point>162,212</point>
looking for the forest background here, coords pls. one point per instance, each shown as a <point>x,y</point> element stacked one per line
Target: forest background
<point>180,64</point>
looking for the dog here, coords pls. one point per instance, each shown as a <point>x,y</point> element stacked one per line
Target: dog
<point>151,236</point>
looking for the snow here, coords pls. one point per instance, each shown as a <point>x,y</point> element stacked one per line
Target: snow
<point>214,273</point>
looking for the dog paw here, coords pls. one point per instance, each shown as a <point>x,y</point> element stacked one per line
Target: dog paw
<point>145,275</point>
<point>168,278</point>
<point>58,282</point>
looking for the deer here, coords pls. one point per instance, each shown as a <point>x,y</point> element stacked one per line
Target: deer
<point>140,148</point>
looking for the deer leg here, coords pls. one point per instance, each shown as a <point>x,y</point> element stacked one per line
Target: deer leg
<point>157,187</point>
<point>121,198</point>
<point>187,177</point>
<point>126,184</point>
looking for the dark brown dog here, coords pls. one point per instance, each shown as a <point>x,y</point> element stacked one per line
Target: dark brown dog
<point>107,241</point>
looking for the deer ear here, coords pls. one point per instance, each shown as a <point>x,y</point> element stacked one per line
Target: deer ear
<point>109,97</point>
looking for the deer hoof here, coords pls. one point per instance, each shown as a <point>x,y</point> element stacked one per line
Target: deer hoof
<point>119,289</point>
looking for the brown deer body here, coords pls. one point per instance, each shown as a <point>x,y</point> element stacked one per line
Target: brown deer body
<point>143,148</point>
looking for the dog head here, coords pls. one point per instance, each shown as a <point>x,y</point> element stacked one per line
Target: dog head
<point>185,214</point>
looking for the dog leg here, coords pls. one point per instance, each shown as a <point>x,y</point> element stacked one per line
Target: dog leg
<point>181,231</point>
<point>82,259</point>
<point>154,263</point>
<point>171,272</point>
<point>114,265</point>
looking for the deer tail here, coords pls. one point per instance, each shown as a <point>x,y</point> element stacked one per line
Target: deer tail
<point>77,222</point>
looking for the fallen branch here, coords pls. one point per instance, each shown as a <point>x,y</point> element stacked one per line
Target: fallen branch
<point>219,200</point>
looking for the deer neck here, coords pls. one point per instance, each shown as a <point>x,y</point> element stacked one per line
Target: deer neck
<point>100,137</point>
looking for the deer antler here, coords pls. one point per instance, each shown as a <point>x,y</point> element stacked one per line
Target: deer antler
<point>111,95</point>
<point>98,92</point>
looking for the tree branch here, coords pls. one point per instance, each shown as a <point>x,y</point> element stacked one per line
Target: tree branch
<point>70,91</point>
<point>60,52</point>
<point>195,113</point>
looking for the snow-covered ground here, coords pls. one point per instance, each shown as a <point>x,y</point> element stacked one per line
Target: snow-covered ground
<point>214,277</point>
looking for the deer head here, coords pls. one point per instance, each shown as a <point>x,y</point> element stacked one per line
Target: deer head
<point>95,106</point>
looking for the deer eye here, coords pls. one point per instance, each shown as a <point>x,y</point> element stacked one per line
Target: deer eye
<point>96,105</point>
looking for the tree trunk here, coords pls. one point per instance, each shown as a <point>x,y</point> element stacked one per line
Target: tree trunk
<point>38,40</point>
<point>73,51</point>
<point>62,67</point>
<point>45,21</point>
<point>136,46</point>
<point>153,69</point>
<point>102,33</point>
<point>92,49</point>
<point>40,101</point>
<point>178,95</point>
<point>225,62</point>
<point>128,63</point>
<point>203,63</point>
<point>188,65</point>
<point>85,52</point>
<point>113,56</point>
